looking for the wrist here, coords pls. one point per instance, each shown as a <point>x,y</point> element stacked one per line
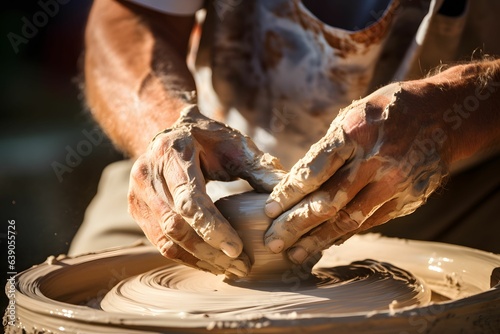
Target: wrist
<point>465,99</point>
<point>189,111</point>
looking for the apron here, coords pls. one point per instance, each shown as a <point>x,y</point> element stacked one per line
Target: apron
<point>279,73</point>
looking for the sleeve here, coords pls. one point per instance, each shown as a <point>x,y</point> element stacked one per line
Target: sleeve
<point>174,7</point>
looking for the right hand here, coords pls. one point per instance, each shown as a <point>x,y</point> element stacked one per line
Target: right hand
<point>167,194</point>
<point>381,158</point>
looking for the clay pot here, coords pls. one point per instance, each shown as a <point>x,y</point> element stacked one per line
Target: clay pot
<point>245,212</point>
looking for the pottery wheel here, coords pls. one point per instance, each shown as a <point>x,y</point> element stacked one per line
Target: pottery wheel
<point>362,286</point>
<point>68,295</point>
<point>274,285</point>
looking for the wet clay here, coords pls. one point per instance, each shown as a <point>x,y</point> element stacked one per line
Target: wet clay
<point>135,290</point>
<point>362,286</point>
<point>274,285</point>
<point>68,295</point>
<point>245,212</point>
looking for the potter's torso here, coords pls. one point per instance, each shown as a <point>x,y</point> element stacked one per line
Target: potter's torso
<point>282,69</point>
<point>281,74</point>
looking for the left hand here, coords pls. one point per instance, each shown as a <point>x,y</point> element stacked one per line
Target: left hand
<point>168,198</point>
<point>381,158</point>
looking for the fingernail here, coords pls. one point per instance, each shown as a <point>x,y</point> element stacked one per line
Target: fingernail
<point>230,276</point>
<point>298,254</point>
<point>236,272</point>
<point>229,249</point>
<point>276,245</point>
<point>208,268</point>
<point>273,209</point>
<point>237,268</point>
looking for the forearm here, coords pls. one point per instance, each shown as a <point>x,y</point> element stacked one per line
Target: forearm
<point>469,99</point>
<point>136,77</point>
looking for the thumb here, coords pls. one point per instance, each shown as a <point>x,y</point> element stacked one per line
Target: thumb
<point>262,170</point>
<point>264,173</point>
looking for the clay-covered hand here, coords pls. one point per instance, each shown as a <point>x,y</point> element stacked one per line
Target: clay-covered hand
<point>167,194</point>
<point>381,158</point>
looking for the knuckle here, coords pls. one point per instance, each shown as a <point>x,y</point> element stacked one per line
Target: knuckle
<point>170,250</point>
<point>133,203</point>
<point>159,149</point>
<point>179,141</point>
<point>345,223</point>
<point>300,175</point>
<point>269,161</point>
<point>132,199</point>
<point>183,144</point>
<point>290,226</point>
<point>138,209</point>
<point>185,203</point>
<point>320,238</point>
<point>176,229</point>
<point>321,205</point>
<point>288,190</point>
<point>140,171</point>
<point>161,140</point>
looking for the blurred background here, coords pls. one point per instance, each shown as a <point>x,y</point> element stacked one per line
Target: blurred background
<point>49,168</point>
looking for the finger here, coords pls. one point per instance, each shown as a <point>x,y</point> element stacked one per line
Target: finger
<point>407,198</point>
<point>262,170</point>
<point>174,252</point>
<point>291,225</point>
<point>174,229</point>
<point>373,205</point>
<point>190,242</point>
<point>148,222</point>
<point>321,205</point>
<point>382,215</point>
<point>176,240</point>
<point>322,160</point>
<point>143,216</point>
<point>376,204</point>
<point>181,243</point>
<point>185,181</point>
<point>138,208</point>
<point>320,238</point>
<point>241,158</point>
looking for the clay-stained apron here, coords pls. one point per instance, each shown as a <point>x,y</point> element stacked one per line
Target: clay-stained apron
<point>281,73</point>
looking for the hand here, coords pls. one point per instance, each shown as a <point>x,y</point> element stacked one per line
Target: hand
<point>167,194</point>
<point>381,158</point>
